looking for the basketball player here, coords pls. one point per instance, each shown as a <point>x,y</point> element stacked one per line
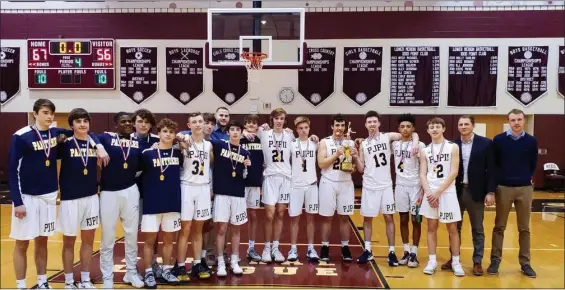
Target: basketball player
<point>304,188</point>
<point>230,170</point>
<point>79,199</point>
<point>209,231</point>
<point>162,203</point>
<point>253,181</point>
<point>408,187</point>
<point>377,197</point>
<point>119,198</point>
<point>196,200</point>
<point>439,166</point>
<point>32,179</point>
<point>336,186</point>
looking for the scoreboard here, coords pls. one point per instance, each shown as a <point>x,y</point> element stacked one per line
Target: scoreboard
<point>71,63</point>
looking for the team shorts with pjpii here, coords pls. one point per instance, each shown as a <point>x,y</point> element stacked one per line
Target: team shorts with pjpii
<point>253,197</point>
<point>81,213</point>
<point>306,197</point>
<point>406,198</point>
<point>230,209</point>
<point>196,203</point>
<point>448,210</point>
<point>40,218</point>
<point>169,222</point>
<point>276,189</point>
<point>336,196</point>
<point>375,201</point>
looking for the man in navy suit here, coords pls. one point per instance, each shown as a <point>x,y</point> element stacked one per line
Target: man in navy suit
<point>475,184</point>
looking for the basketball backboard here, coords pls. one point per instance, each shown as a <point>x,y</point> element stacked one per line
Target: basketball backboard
<point>278,32</point>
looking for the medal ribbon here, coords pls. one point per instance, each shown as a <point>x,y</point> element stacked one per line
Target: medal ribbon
<point>405,150</point>
<point>46,151</point>
<point>200,156</point>
<point>276,143</point>
<point>126,155</point>
<point>161,160</point>
<point>84,160</point>
<point>231,159</point>
<point>437,156</point>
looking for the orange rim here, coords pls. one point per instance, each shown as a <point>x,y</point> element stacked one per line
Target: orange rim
<point>254,59</point>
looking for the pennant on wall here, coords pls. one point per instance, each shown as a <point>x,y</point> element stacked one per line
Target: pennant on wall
<point>316,80</point>
<point>229,83</point>
<point>561,72</point>
<point>362,71</point>
<point>138,72</point>
<point>185,73</point>
<point>527,73</point>
<point>473,73</point>
<point>9,73</point>
<point>414,76</point>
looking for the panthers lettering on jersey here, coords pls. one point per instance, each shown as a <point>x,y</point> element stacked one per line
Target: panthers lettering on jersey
<point>332,172</point>
<point>197,163</point>
<point>376,151</point>
<point>406,165</point>
<point>160,180</point>
<point>276,150</point>
<point>303,163</point>
<point>255,172</point>
<point>439,164</point>
<point>77,177</point>
<point>125,155</point>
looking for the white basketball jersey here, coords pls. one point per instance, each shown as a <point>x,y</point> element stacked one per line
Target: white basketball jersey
<point>332,172</point>
<point>439,164</point>
<point>376,152</point>
<point>406,166</point>
<point>303,163</point>
<point>276,150</point>
<point>196,168</point>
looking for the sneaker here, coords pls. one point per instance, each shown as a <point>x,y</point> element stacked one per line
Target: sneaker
<point>198,270</point>
<point>430,268</point>
<point>392,259</point>
<point>346,254</point>
<point>157,270</point>
<point>44,286</point>
<point>252,255</point>
<point>447,265</point>
<point>312,255</point>
<point>235,269</point>
<point>528,271</point>
<point>181,274</point>
<point>150,281</point>
<point>221,270</point>
<point>325,256</point>
<point>266,257</point>
<point>292,255</point>
<point>72,285</point>
<point>108,283</point>
<point>404,260</point>
<point>133,279</point>
<point>170,278</point>
<point>493,268</point>
<point>365,257</point>
<point>458,269</point>
<point>210,260</point>
<point>413,261</point>
<point>277,255</point>
<point>86,285</point>
<point>206,267</point>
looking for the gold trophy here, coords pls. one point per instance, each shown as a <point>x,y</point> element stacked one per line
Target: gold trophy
<point>346,164</point>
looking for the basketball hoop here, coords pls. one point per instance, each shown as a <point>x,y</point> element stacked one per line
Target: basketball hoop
<point>254,64</point>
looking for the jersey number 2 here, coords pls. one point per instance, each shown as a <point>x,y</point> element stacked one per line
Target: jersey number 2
<point>197,167</point>
<point>381,163</point>
<point>439,171</point>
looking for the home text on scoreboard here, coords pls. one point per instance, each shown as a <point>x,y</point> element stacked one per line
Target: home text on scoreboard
<point>71,63</point>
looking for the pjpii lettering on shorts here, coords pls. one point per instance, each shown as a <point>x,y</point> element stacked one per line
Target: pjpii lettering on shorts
<point>348,208</point>
<point>241,217</point>
<point>92,221</point>
<point>448,216</point>
<point>49,227</point>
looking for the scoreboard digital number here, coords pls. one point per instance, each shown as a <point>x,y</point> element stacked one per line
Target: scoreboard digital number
<point>71,63</point>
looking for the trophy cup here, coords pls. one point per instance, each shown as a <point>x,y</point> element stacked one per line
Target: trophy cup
<point>346,164</point>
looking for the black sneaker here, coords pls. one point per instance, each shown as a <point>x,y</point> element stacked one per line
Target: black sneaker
<point>181,274</point>
<point>199,271</point>
<point>493,268</point>
<point>528,271</point>
<point>365,257</point>
<point>392,259</point>
<point>325,253</point>
<point>206,267</point>
<point>44,286</point>
<point>404,259</point>
<point>346,254</point>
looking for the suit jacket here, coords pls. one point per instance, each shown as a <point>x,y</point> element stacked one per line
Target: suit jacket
<point>481,177</point>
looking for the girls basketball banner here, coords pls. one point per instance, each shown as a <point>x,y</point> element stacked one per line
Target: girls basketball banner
<point>229,84</point>
<point>414,76</point>
<point>316,80</point>
<point>362,71</point>
<point>527,73</point>
<point>185,70</point>
<point>9,73</point>
<point>473,72</point>
<point>561,72</point>
<point>138,72</point>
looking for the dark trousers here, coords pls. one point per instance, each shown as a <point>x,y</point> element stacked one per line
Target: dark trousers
<point>476,211</point>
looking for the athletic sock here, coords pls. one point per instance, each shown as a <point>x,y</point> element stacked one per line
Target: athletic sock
<point>433,258</point>
<point>275,244</point>
<point>220,258</point>
<point>21,284</point>
<point>415,250</point>
<point>234,259</point>
<point>251,244</point>
<point>344,243</point>
<point>41,279</point>
<point>368,246</point>
<point>69,278</point>
<point>179,264</point>
<point>267,245</point>
<point>293,247</point>
<point>455,259</point>
<point>167,268</point>
<point>391,248</point>
<point>406,247</point>
<point>327,244</point>
<point>310,246</point>
<point>196,262</point>
<point>84,276</point>
<point>203,254</point>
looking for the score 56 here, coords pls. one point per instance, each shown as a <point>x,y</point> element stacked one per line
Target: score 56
<point>103,54</point>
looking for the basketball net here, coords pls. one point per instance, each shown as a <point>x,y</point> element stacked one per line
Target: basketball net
<point>254,65</point>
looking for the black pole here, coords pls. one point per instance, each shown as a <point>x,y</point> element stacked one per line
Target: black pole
<point>257,27</point>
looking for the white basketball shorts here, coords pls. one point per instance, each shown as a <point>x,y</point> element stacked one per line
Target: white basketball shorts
<point>336,195</point>
<point>276,189</point>
<point>41,214</point>
<point>169,222</point>
<point>230,209</point>
<point>448,210</point>
<point>378,201</point>
<point>196,202</point>
<point>253,197</point>
<point>306,197</point>
<point>406,197</point>
<point>83,213</point>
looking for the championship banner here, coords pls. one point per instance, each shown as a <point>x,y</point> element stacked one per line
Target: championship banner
<point>229,84</point>
<point>185,79</point>
<point>527,73</point>
<point>316,80</point>
<point>561,72</point>
<point>473,72</point>
<point>9,73</point>
<point>362,71</point>
<point>414,76</point>
<point>138,72</point>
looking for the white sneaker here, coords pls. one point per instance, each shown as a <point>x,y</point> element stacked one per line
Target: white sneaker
<point>292,255</point>
<point>70,285</point>
<point>108,283</point>
<point>430,268</point>
<point>44,286</point>
<point>312,255</point>
<point>221,270</point>
<point>133,279</point>
<point>86,285</point>
<point>277,255</point>
<point>266,256</point>
<point>457,269</point>
<point>235,268</point>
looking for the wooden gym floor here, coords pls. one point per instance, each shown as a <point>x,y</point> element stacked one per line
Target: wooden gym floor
<point>547,250</point>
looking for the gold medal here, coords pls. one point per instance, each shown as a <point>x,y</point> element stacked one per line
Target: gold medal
<point>436,169</point>
<point>162,177</point>
<point>201,167</point>
<point>278,158</point>
<point>401,165</point>
<point>233,173</point>
<point>47,163</point>
<point>85,171</point>
<point>125,165</point>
